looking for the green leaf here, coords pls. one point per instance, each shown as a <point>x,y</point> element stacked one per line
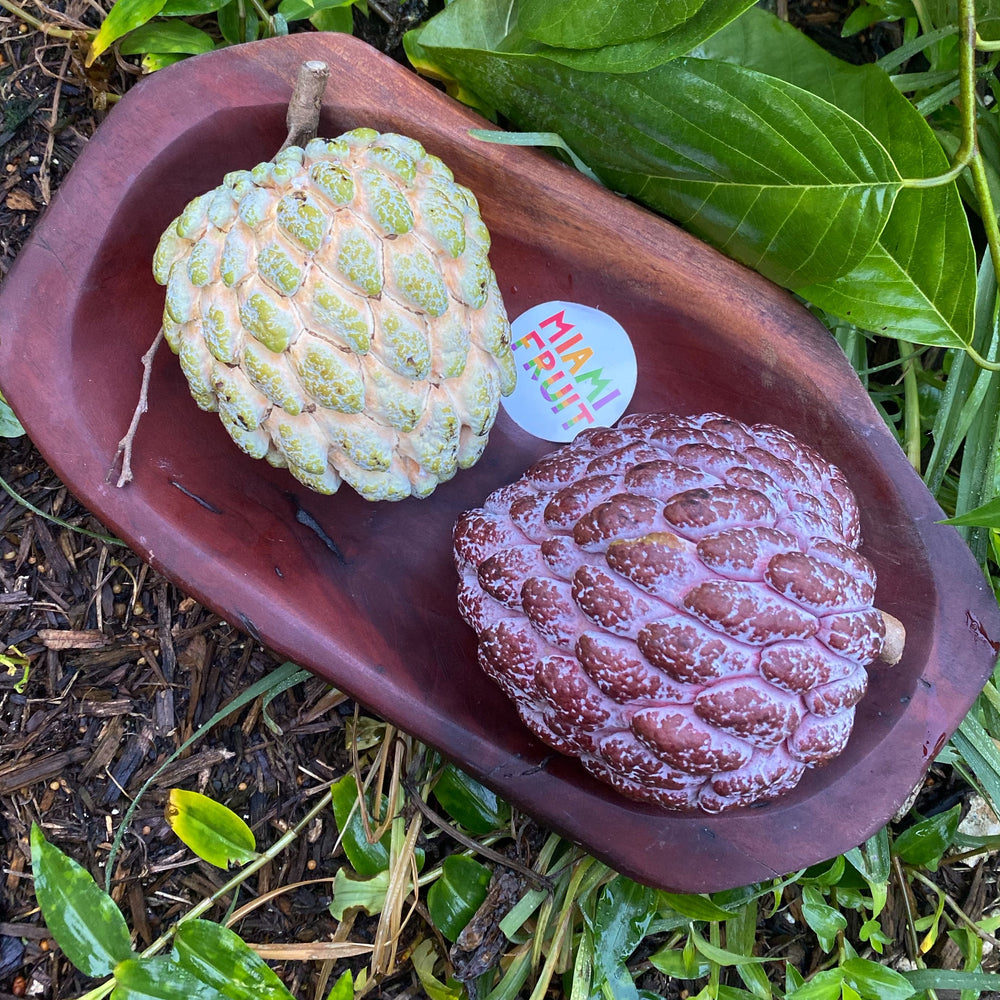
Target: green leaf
<point>351,892</point>
<point>423,958</point>
<point>825,921</point>
<point>943,979</point>
<point>986,516</point>
<point>980,752</point>
<point>549,139</point>
<point>297,10</point>
<point>722,956</point>
<point>124,16</point>
<point>924,843</point>
<point>167,37</point>
<point>10,426</point>
<point>501,26</point>
<point>621,918</point>
<point>454,898</point>
<point>220,958</point>
<point>824,985</point>
<point>967,388</point>
<point>233,30</point>
<point>774,176</point>
<point>334,19</point>
<point>871,979</point>
<point>874,862</point>
<point>917,281</point>
<point>366,858</point>
<point>159,978</point>
<point>84,921</point>
<point>190,8</point>
<point>343,988</point>
<point>213,831</point>
<point>588,24</point>
<point>469,803</point>
<point>678,963</point>
<point>152,61</point>
<point>694,907</point>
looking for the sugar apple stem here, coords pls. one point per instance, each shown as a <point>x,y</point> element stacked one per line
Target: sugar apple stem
<point>305,103</point>
<point>895,638</point>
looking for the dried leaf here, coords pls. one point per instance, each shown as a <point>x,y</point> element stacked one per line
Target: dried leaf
<point>19,200</point>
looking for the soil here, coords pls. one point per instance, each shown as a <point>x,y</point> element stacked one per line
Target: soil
<point>108,668</point>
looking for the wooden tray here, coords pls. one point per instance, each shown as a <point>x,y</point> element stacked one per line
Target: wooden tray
<point>80,307</point>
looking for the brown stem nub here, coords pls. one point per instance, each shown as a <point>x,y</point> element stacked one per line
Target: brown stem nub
<point>895,639</point>
<point>305,103</point>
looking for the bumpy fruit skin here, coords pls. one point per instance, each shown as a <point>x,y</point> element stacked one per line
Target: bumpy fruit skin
<point>679,603</point>
<point>337,307</point>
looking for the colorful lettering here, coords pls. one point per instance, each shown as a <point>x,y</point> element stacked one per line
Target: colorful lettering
<point>575,398</point>
<point>607,399</point>
<point>566,345</point>
<point>560,321</point>
<point>523,342</point>
<point>594,377</point>
<point>543,363</point>
<point>580,357</point>
<point>550,381</point>
<point>584,414</point>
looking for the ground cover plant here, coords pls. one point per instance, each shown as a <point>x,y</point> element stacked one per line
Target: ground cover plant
<point>870,191</point>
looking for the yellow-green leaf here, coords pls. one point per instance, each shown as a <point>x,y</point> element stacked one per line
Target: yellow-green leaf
<point>124,16</point>
<point>213,831</point>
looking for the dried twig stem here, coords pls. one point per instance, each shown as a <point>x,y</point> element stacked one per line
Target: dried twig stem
<point>305,103</point>
<point>125,445</point>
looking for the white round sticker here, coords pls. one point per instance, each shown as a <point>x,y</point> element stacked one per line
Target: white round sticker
<point>575,369</point>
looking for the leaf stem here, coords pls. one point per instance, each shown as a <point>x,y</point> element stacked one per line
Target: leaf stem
<point>45,29</point>
<point>958,911</point>
<point>967,108</point>
<point>911,405</point>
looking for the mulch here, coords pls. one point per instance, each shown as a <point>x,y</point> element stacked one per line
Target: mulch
<point>122,667</point>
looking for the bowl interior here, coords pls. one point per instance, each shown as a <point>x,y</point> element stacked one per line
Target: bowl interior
<point>365,594</point>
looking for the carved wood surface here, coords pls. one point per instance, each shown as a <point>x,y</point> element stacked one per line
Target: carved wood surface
<point>378,617</point>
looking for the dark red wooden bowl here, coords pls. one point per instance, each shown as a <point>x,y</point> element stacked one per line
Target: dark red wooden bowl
<point>381,622</point>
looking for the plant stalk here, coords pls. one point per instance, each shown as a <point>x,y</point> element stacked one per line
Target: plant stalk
<point>45,29</point>
<point>912,437</point>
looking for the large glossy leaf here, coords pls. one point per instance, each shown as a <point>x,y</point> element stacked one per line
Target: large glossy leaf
<point>469,803</point>
<point>167,37</point>
<point>497,27</point>
<point>84,921</point>
<point>588,24</point>
<point>453,899</point>
<point>220,958</point>
<point>213,831</point>
<point>622,916</point>
<point>774,176</point>
<point>918,281</point>
<point>925,842</point>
